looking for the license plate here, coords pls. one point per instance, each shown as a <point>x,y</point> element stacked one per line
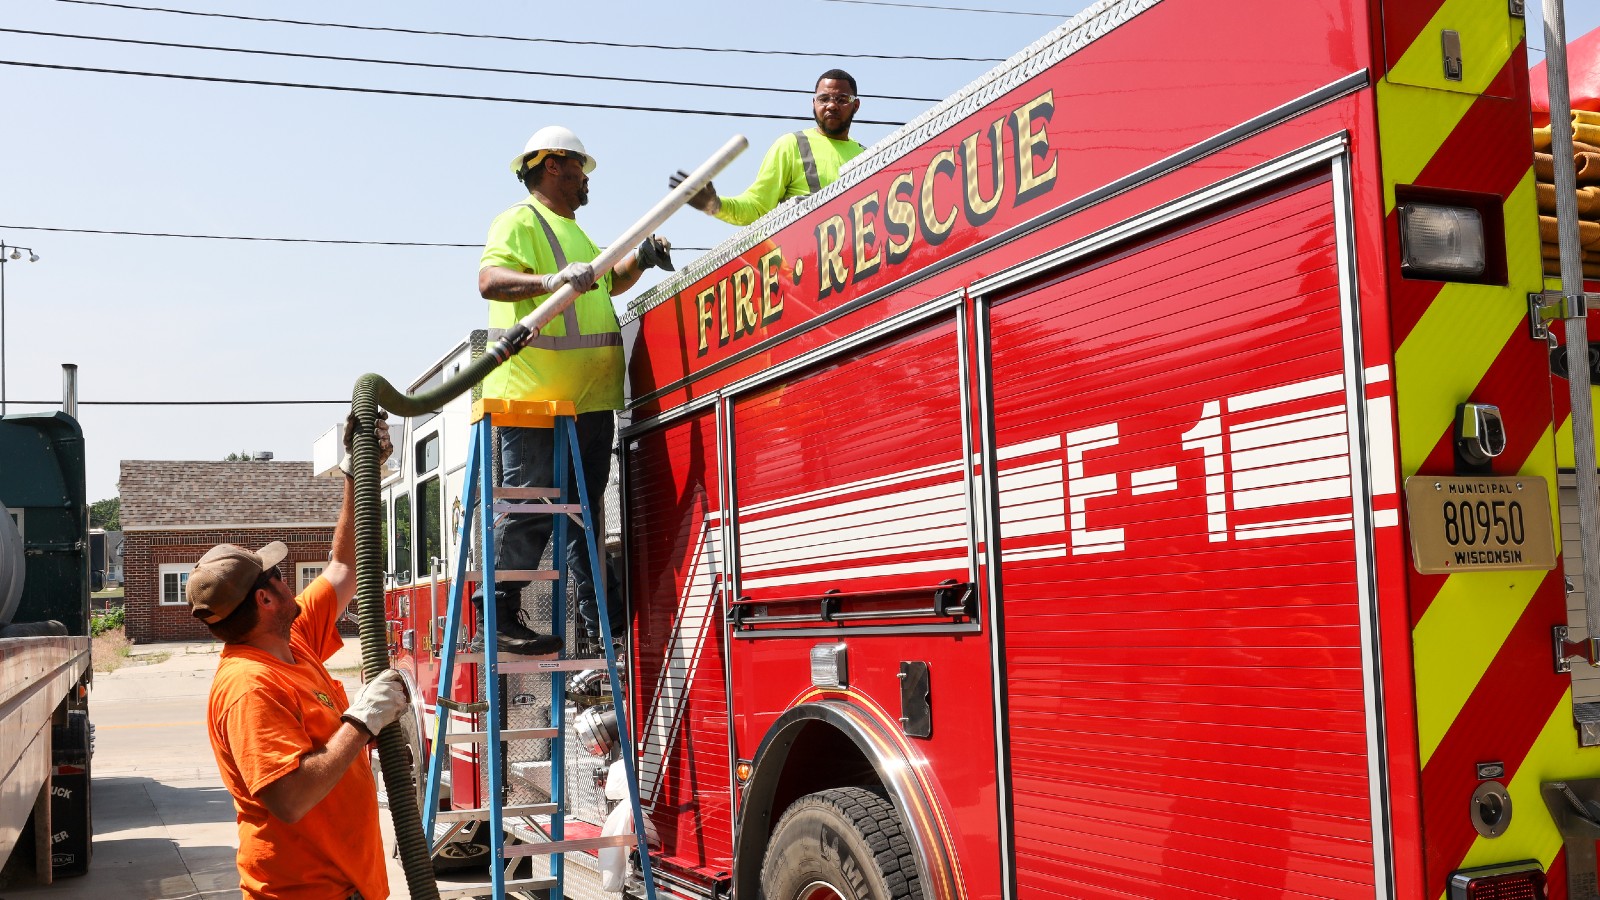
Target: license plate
<point>1479,524</point>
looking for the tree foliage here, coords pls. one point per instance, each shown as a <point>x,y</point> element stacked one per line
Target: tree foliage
<point>106,514</point>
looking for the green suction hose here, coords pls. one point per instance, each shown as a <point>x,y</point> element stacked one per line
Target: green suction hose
<point>373,391</point>
<point>394,755</point>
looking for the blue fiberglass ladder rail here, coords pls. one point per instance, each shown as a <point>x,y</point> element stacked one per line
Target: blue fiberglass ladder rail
<point>480,494</point>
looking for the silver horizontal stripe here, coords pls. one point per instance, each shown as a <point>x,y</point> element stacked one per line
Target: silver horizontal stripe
<point>573,339</point>
<point>574,342</point>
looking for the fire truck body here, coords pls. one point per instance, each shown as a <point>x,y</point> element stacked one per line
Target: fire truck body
<point>1045,475</point>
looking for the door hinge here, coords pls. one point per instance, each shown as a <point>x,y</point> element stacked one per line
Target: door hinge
<point>1545,307</point>
<point>1566,651</point>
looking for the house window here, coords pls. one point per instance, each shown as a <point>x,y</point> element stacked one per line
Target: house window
<point>305,573</point>
<point>174,578</point>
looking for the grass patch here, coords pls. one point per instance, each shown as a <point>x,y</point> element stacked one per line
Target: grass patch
<point>109,649</point>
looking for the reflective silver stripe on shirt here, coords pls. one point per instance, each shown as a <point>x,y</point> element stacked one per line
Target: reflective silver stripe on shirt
<point>576,342</point>
<point>573,339</point>
<point>807,162</point>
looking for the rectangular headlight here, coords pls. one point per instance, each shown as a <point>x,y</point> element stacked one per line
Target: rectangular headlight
<point>1442,242</point>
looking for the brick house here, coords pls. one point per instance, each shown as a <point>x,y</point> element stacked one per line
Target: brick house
<point>173,512</point>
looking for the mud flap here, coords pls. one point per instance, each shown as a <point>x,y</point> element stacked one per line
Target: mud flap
<point>1575,806</point>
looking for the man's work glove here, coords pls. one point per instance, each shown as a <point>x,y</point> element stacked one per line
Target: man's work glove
<point>580,275</point>
<point>378,703</point>
<point>705,199</point>
<point>655,253</point>
<point>385,445</point>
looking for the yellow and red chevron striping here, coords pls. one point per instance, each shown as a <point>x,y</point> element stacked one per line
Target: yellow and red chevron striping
<point>1484,686</point>
<point>1464,156</point>
<point>1505,384</point>
<point>1500,721</point>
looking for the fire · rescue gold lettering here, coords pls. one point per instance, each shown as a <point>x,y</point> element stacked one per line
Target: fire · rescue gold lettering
<point>966,181</point>
<point>900,216</point>
<point>771,300</point>
<point>1032,146</point>
<point>981,209</point>
<point>832,271</point>
<point>863,219</point>
<point>707,314</point>
<point>744,301</point>
<point>934,229</point>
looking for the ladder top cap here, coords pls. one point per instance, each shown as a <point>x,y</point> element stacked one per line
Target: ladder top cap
<point>523,413</point>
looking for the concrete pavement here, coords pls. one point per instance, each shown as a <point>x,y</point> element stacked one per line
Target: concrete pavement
<point>163,824</point>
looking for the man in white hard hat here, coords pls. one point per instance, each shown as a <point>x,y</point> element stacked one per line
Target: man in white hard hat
<point>533,249</point>
<point>796,164</point>
<point>289,745</point>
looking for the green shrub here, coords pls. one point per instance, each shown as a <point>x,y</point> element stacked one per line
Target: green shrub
<point>102,622</point>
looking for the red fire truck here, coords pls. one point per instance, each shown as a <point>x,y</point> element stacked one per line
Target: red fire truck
<point>1137,476</point>
<point>1131,478</point>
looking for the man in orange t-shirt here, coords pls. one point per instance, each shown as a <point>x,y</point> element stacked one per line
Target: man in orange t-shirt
<point>291,747</point>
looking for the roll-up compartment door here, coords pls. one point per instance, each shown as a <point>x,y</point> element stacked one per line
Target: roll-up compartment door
<point>1186,688</point>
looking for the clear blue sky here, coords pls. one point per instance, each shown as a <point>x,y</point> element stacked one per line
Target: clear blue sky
<point>172,319</point>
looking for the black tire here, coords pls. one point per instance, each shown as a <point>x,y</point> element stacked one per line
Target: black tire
<point>845,842</point>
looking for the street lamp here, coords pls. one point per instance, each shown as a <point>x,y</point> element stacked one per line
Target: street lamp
<point>6,257</point>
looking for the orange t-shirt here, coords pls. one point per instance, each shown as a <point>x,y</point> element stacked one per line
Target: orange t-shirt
<point>265,714</point>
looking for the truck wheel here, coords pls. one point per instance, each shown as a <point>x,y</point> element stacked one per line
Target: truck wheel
<point>840,844</point>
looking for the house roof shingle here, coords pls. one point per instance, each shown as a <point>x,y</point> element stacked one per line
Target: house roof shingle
<point>161,494</point>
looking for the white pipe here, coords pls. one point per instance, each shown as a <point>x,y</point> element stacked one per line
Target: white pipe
<point>69,389</point>
<point>1583,452</point>
<point>608,258</point>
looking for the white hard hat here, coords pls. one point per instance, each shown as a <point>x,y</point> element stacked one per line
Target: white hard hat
<point>551,137</point>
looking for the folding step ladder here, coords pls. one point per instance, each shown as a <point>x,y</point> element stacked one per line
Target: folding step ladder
<point>480,494</point>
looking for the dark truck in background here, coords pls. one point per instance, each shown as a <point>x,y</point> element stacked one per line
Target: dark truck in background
<point>45,660</point>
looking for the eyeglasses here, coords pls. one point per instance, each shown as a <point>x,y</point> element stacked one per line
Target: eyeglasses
<point>835,99</point>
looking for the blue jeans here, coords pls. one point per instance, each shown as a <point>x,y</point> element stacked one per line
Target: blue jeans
<point>527,459</point>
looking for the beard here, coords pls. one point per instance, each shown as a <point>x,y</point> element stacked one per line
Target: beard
<point>841,131</point>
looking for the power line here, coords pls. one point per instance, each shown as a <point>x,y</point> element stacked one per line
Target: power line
<point>506,37</point>
<point>432,94</point>
<point>998,12</point>
<point>237,237</point>
<point>449,66</point>
<point>345,402</point>
<point>281,240</point>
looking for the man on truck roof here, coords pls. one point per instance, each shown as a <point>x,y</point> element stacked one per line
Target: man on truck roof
<point>291,748</point>
<point>796,164</point>
<point>533,249</point>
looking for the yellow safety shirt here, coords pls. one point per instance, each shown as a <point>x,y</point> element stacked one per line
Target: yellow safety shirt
<point>578,356</point>
<point>796,164</point>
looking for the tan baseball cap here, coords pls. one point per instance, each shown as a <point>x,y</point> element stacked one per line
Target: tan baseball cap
<point>223,577</point>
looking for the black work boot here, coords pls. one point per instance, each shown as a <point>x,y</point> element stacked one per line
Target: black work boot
<point>512,636</point>
<point>532,642</point>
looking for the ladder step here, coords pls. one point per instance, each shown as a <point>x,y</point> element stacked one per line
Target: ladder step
<point>528,493</point>
<point>506,734</point>
<point>530,663</point>
<point>534,509</point>
<point>576,845</point>
<point>467,891</point>
<point>506,576</point>
<point>482,815</point>
<point>522,665</point>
